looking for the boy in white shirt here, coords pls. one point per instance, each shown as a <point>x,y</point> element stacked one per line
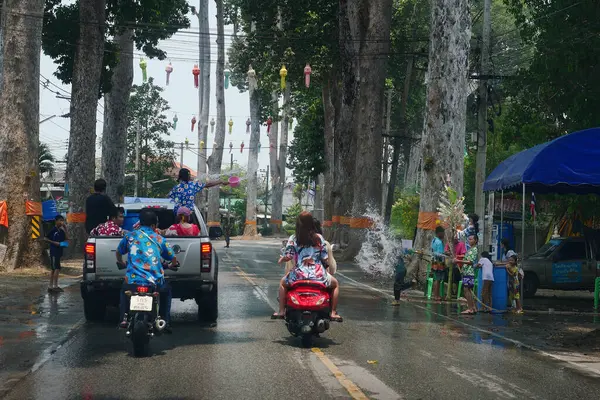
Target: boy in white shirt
<point>487,270</point>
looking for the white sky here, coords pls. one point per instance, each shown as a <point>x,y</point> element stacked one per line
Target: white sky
<point>181,95</point>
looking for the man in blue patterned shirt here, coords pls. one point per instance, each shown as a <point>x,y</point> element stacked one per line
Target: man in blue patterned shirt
<point>144,267</point>
<point>184,193</point>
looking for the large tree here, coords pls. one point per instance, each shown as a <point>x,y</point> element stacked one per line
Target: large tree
<point>147,116</point>
<point>19,126</point>
<point>445,116</point>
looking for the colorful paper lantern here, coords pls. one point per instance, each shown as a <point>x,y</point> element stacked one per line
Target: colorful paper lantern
<point>230,123</point>
<point>202,145</point>
<point>248,124</point>
<point>193,122</point>
<point>144,66</point>
<point>187,143</point>
<point>196,73</point>
<point>269,123</point>
<point>242,147</point>
<point>175,119</point>
<point>168,70</point>
<point>283,74</point>
<point>230,147</point>
<point>212,125</point>
<point>227,75</point>
<point>307,72</point>
<point>252,82</point>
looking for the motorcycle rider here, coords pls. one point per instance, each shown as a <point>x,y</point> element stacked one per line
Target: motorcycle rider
<point>145,248</point>
<point>308,250</point>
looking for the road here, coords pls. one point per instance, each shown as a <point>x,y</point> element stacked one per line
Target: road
<point>378,352</point>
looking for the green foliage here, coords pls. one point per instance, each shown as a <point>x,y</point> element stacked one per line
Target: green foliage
<point>150,20</point>
<point>307,150</point>
<point>405,214</point>
<point>292,213</point>
<point>147,113</point>
<point>46,160</point>
<point>238,210</point>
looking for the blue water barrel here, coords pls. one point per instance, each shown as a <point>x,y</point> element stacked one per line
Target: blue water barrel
<point>499,288</point>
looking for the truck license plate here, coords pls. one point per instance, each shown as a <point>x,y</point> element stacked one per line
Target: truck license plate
<point>140,303</point>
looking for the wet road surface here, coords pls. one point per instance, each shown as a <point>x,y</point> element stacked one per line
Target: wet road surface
<point>379,352</point>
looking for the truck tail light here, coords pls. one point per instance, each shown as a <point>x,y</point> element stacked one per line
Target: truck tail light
<point>205,257</point>
<point>90,257</point>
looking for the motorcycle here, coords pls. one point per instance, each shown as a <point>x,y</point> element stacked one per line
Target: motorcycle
<point>144,320</point>
<point>308,310</point>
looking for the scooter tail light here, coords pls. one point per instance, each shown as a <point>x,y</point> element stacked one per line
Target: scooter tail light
<point>294,300</point>
<point>142,289</point>
<point>321,300</point>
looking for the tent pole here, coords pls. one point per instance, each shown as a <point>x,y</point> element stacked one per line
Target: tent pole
<point>501,223</point>
<point>522,240</point>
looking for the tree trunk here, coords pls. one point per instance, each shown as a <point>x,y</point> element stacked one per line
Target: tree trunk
<point>87,69</point>
<point>283,145</point>
<point>277,184</point>
<point>204,95</point>
<point>329,183</point>
<point>216,158</point>
<point>318,208</point>
<point>361,23</point>
<point>19,126</point>
<point>116,105</point>
<point>445,115</point>
<point>251,187</point>
<point>413,163</point>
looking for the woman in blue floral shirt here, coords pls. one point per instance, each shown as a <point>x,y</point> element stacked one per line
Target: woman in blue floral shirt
<point>184,193</point>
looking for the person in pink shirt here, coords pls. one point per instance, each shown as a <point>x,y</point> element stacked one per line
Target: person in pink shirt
<point>459,252</point>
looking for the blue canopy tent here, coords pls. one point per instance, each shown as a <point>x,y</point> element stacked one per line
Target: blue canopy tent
<point>568,164</point>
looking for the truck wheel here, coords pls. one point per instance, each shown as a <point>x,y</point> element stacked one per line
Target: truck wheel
<point>208,305</point>
<point>93,308</point>
<point>530,285</point>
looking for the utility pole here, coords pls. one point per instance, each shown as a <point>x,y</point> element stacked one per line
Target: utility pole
<point>137,159</point>
<point>482,122</point>
<point>182,146</point>
<point>386,141</point>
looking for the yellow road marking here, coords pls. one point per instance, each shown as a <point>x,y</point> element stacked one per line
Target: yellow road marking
<point>244,275</point>
<point>352,389</point>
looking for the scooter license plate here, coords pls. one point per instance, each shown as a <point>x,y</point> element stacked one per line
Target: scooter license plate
<point>140,303</point>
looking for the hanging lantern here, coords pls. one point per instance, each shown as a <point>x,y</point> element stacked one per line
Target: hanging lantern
<point>230,123</point>
<point>143,66</point>
<point>193,122</point>
<point>227,75</point>
<point>196,73</point>
<point>242,147</point>
<point>283,74</point>
<point>187,143</point>
<point>175,119</point>
<point>201,145</point>
<point>271,147</point>
<point>168,70</point>
<point>230,147</point>
<point>269,123</point>
<point>212,125</point>
<point>307,72</point>
<point>259,147</point>
<point>248,124</point>
<point>252,82</point>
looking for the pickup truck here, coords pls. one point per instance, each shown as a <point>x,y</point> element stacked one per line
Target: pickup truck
<point>196,278</point>
<point>563,264</point>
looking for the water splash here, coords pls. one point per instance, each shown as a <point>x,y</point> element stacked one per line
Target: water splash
<point>380,251</point>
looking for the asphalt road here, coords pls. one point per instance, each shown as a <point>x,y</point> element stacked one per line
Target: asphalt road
<point>378,352</point>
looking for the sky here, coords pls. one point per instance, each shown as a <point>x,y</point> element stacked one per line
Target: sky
<point>182,48</point>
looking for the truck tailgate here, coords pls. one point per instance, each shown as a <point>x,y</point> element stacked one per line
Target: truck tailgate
<point>187,251</point>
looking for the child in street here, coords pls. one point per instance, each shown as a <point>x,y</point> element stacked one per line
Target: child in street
<point>437,263</point>
<point>399,284</point>
<point>515,284</point>
<point>57,237</point>
<point>487,269</point>
<point>468,273</point>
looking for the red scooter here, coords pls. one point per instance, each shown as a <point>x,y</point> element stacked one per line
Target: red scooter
<point>308,310</point>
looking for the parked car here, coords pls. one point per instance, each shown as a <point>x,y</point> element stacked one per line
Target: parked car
<point>196,278</point>
<point>562,263</point>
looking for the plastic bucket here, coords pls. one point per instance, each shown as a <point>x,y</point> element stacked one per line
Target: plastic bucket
<point>234,181</point>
